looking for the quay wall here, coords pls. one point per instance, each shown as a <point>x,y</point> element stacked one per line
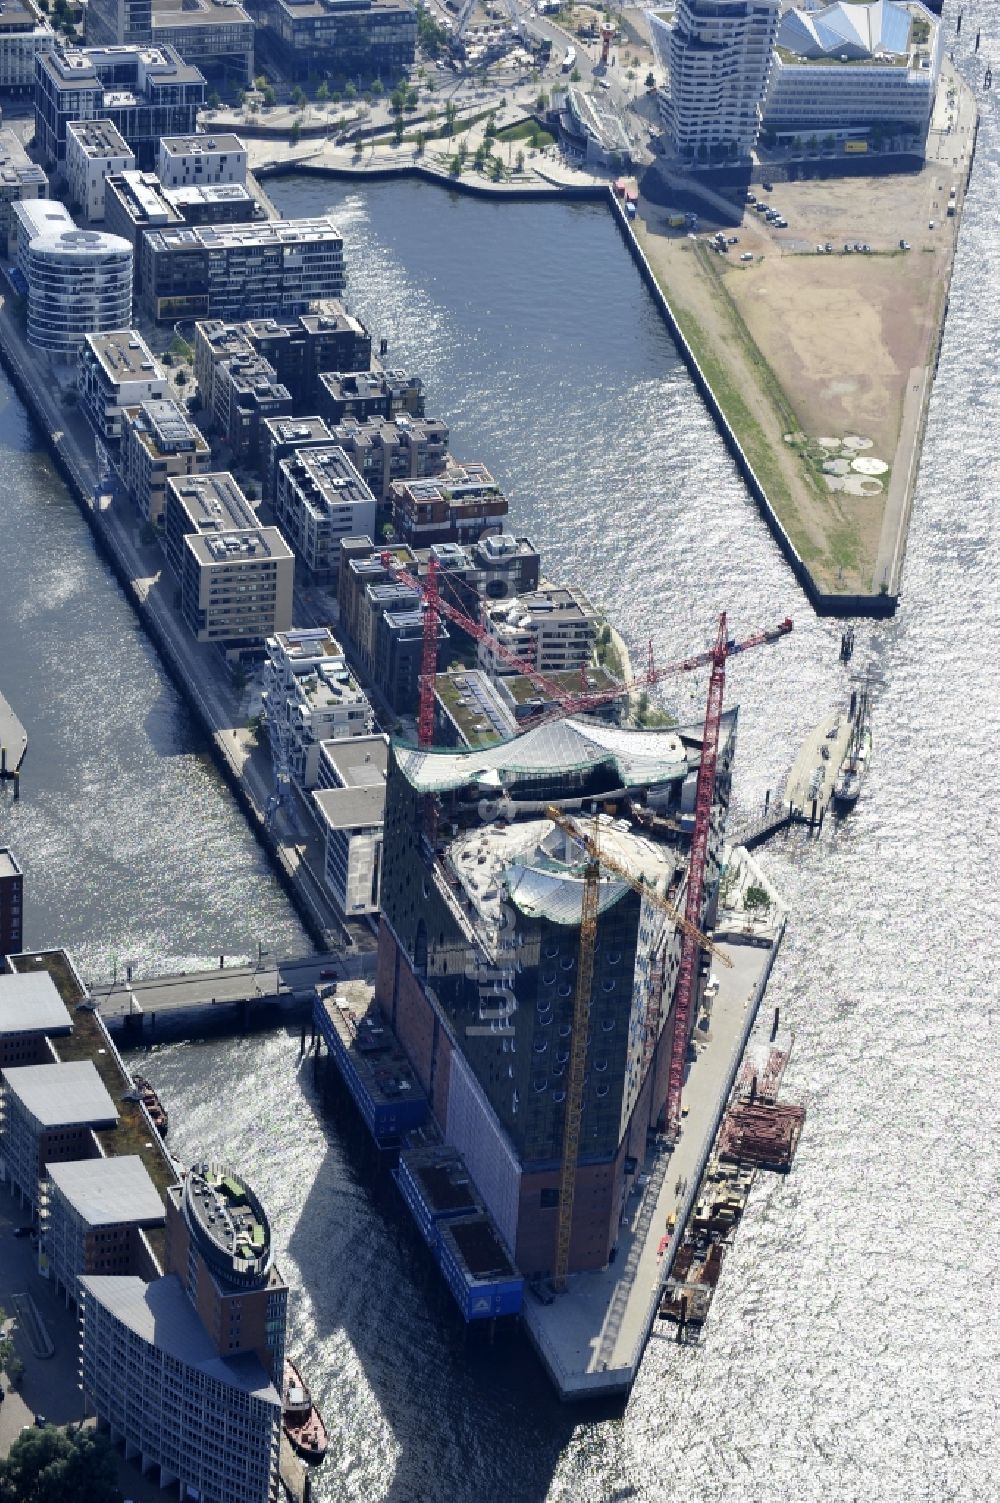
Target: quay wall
<point>81,488</point>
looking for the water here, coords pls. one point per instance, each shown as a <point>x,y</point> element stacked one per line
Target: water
<point>132,847</point>
<point>849,1352</point>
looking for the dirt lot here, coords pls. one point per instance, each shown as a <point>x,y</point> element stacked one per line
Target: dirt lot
<point>799,346</point>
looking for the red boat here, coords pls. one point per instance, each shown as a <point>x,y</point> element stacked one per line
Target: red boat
<point>300,1419</point>
<point>154,1106</point>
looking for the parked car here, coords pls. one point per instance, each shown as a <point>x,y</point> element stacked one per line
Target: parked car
<point>746,256</point>
<point>328,973</point>
<point>767,186</point>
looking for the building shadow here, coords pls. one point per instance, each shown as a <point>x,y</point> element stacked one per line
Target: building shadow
<point>472,1417</point>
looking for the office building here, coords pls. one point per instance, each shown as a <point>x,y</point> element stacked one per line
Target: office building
<point>201,160</point>
<point>300,348</point>
<point>19,179</point>
<point>78,282</point>
<point>47,1114</point>
<point>478,949</point>
<point>24,34</point>
<point>469,710</point>
<point>244,270</point>
<point>236,576</point>
<point>311,699</point>
<point>844,69</point>
<point>368,394</point>
<point>280,437</point>
<point>31,1011</point>
<point>94,150</point>
<point>217,36</point>
<point>554,629</point>
<point>92,1216</point>
<point>319,499</point>
<point>205,1424</point>
<point>245,394</point>
<point>117,370</point>
<point>114,23</point>
<point>145,92</point>
<point>159,443</point>
<point>366,38</point>
<point>383,450</point>
<point>11,903</point>
<point>350,807</point>
<point>717,54</point>
<point>461,505</point>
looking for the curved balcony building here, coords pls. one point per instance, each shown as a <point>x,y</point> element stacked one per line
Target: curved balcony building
<point>79,283</point>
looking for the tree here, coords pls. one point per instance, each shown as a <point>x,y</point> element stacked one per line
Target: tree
<point>420,142</point>
<point>322,93</point>
<point>213,101</point>
<point>491,128</point>
<point>542,102</point>
<point>450,114</point>
<point>575,76</point>
<point>59,1466</point>
<point>378,87</point>
<point>295,134</point>
<point>519,162</point>
<point>350,92</point>
<point>397,129</point>
<point>298,96</point>
<point>650,80</point>
<point>182,377</point>
<point>268,95</point>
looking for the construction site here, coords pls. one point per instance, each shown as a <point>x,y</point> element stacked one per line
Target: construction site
<point>573,984</point>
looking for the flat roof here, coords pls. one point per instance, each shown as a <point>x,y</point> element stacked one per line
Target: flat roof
<point>62,1095</point>
<point>479,1248</point>
<point>324,473</point>
<point>214,502</point>
<point>473,703</point>
<point>443,1178</point>
<point>371,1044</point>
<point>315,231</point>
<point>170,14</point>
<point>162,1315</point>
<point>359,761</point>
<point>8,865</point>
<point>351,808</point>
<point>99,138</point>
<point>248,545</point>
<point>109,1192</point>
<point>31,1003</point>
<point>213,141</point>
<point>125,355</point>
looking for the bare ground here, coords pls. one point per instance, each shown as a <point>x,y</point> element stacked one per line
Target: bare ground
<point>819,345</point>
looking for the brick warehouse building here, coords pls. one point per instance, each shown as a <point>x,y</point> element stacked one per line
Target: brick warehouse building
<point>478,952</point>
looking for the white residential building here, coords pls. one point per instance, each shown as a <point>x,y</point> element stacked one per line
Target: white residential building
<point>78,282</point>
<point>24,34</point>
<point>93,149</point>
<point>311,698</point>
<point>117,370</point>
<point>193,161</point>
<point>717,54</point>
<point>552,628</point>
<point>350,806</point>
<point>849,67</point>
<point>319,499</point>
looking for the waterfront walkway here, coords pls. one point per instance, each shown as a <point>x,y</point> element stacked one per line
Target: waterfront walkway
<point>267,980</point>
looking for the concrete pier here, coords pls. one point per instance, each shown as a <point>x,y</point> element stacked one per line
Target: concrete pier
<point>13,741</point>
<point>810,783</point>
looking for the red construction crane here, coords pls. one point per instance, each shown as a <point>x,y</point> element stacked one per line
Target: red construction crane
<point>704,795</point>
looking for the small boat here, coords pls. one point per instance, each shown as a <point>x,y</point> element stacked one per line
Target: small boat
<point>847,786</point>
<point>154,1106</point>
<point>300,1419</point>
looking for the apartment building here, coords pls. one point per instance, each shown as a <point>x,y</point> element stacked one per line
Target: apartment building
<point>236,576</point>
<point>215,341</point>
<point>384,450</point>
<point>201,160</point>
<point>554,628</point>
<point>311,699</point>
<point>368,394</point>
<point>246,393</point>
<point>234,271</point>
<point>117,370</point>
<point>366,38</point>
<point>159,443</point>
<point>280,437</point>
<point>717,54</point>
<point>137,201</point>
<point>461,505</point>
<point>145,92</point>
<point>19,179</point>
<point>94,150</point>
<point>24,34</point>
<point>319,499</point>
<point>350,806</point>
<point>300,348</point>
<point>91,1214</point>
<point>47,1115</point>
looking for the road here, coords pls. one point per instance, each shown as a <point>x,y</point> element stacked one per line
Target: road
<point>239,983</point>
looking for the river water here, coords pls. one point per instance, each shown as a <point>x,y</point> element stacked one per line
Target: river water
<point>850,1352</point>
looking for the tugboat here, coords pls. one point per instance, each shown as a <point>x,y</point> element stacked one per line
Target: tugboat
<point>154,1106</point>
<point>855,764</point>
<point>300,1419</point>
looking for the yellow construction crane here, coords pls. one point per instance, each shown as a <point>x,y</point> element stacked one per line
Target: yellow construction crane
<point>595,859</point>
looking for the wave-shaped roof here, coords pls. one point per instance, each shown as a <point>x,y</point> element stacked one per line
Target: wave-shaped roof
<point>847,31</point>
<point>640,758</point>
